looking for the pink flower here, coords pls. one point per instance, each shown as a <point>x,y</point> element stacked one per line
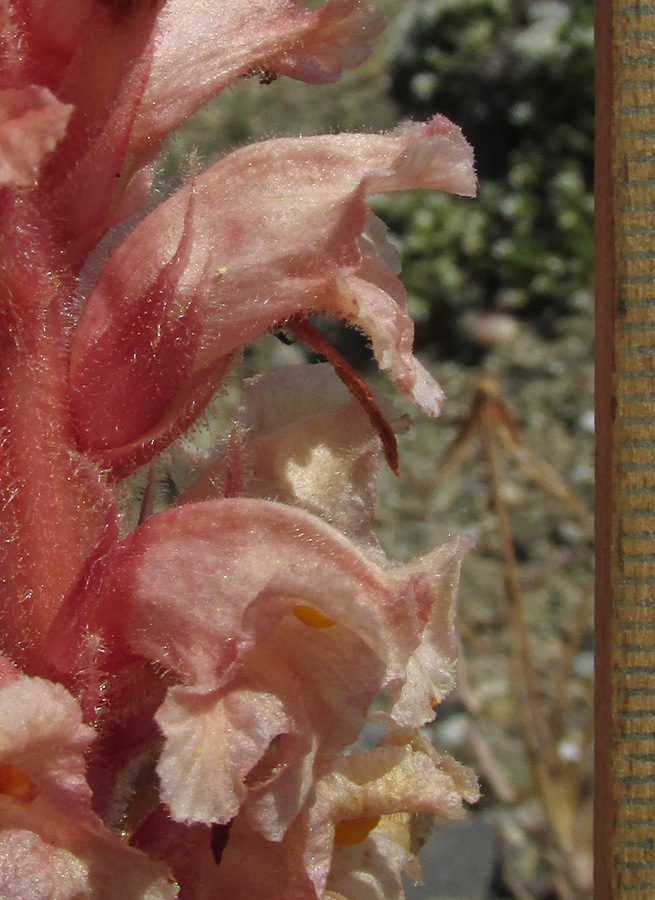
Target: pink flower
<point>353,840</point>
<point>189,287</point>
<point>176,699</point>
<point>52,844</point>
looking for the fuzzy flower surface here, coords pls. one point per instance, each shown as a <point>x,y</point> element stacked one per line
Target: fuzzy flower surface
<point>184,696</point>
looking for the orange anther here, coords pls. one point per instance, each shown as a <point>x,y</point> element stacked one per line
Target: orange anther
<point>353,831</point>
<point>16,783</point>
<point>311,617</point>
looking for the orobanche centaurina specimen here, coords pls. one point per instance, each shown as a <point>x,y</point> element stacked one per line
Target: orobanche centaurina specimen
<point>181,702</point>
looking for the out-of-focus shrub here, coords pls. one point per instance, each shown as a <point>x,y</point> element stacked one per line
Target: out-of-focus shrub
<point>518,78</point>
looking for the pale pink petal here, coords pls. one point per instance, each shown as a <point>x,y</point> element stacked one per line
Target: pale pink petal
<point>197,588</point>
<point>201,47</point>
<point>364,785</point>
<point>307,443</point>
<point>41,732</point>
<point>246,600</point>
<point>264,763</point>
<point>212,744</point>
<point>464,784</point>
<point>271,807</point>
<point>51,841</point>
<point>32,122</point>
<point>381,313</point>
<point>430,672</point>
<point>193,588</point>
<point>336,695</point>
<point>369,870</point>
<point>385,780</point>
<point>41,867</point>
<point>31,867</point>
<point>370,789</point>
<point>271,231</point>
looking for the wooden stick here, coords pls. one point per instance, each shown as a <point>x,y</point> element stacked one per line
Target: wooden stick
<point>624,814</point>
<point>604,808</point>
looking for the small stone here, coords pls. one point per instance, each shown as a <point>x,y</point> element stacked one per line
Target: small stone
<point>490,329</point>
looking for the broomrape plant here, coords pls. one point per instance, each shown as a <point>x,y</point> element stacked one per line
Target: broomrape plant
<point>180,704</point>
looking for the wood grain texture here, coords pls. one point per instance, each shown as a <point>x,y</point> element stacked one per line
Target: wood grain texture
<point>625,457</point>
<point>604,811</point>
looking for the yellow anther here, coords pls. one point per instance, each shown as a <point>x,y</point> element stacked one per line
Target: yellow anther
<point>312,617</point>
<point>353,831</point>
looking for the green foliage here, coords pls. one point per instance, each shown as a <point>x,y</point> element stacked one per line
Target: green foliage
<point>518,78</point>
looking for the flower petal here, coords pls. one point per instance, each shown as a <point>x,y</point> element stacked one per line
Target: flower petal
<point>271,728</point>
<point>32,867</point>
<point>193,588</point>
<point>271,231</point>
<point>308,444</point>
<point>201,47</point>
<point>366,785</point>
<point>212,744</point>
<point>369,870</point>
<point>52,844</point>
<point>32,122</point>
<point>43,735</point>
<point>430,673</point>
<point>369,796</point>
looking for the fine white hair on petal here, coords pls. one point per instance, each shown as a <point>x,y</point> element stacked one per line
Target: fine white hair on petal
<point>201,47</point>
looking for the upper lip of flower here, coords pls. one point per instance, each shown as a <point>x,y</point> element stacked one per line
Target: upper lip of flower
<point>159,324</point>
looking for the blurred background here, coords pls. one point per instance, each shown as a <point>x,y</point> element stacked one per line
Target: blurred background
<point>500,289</point>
